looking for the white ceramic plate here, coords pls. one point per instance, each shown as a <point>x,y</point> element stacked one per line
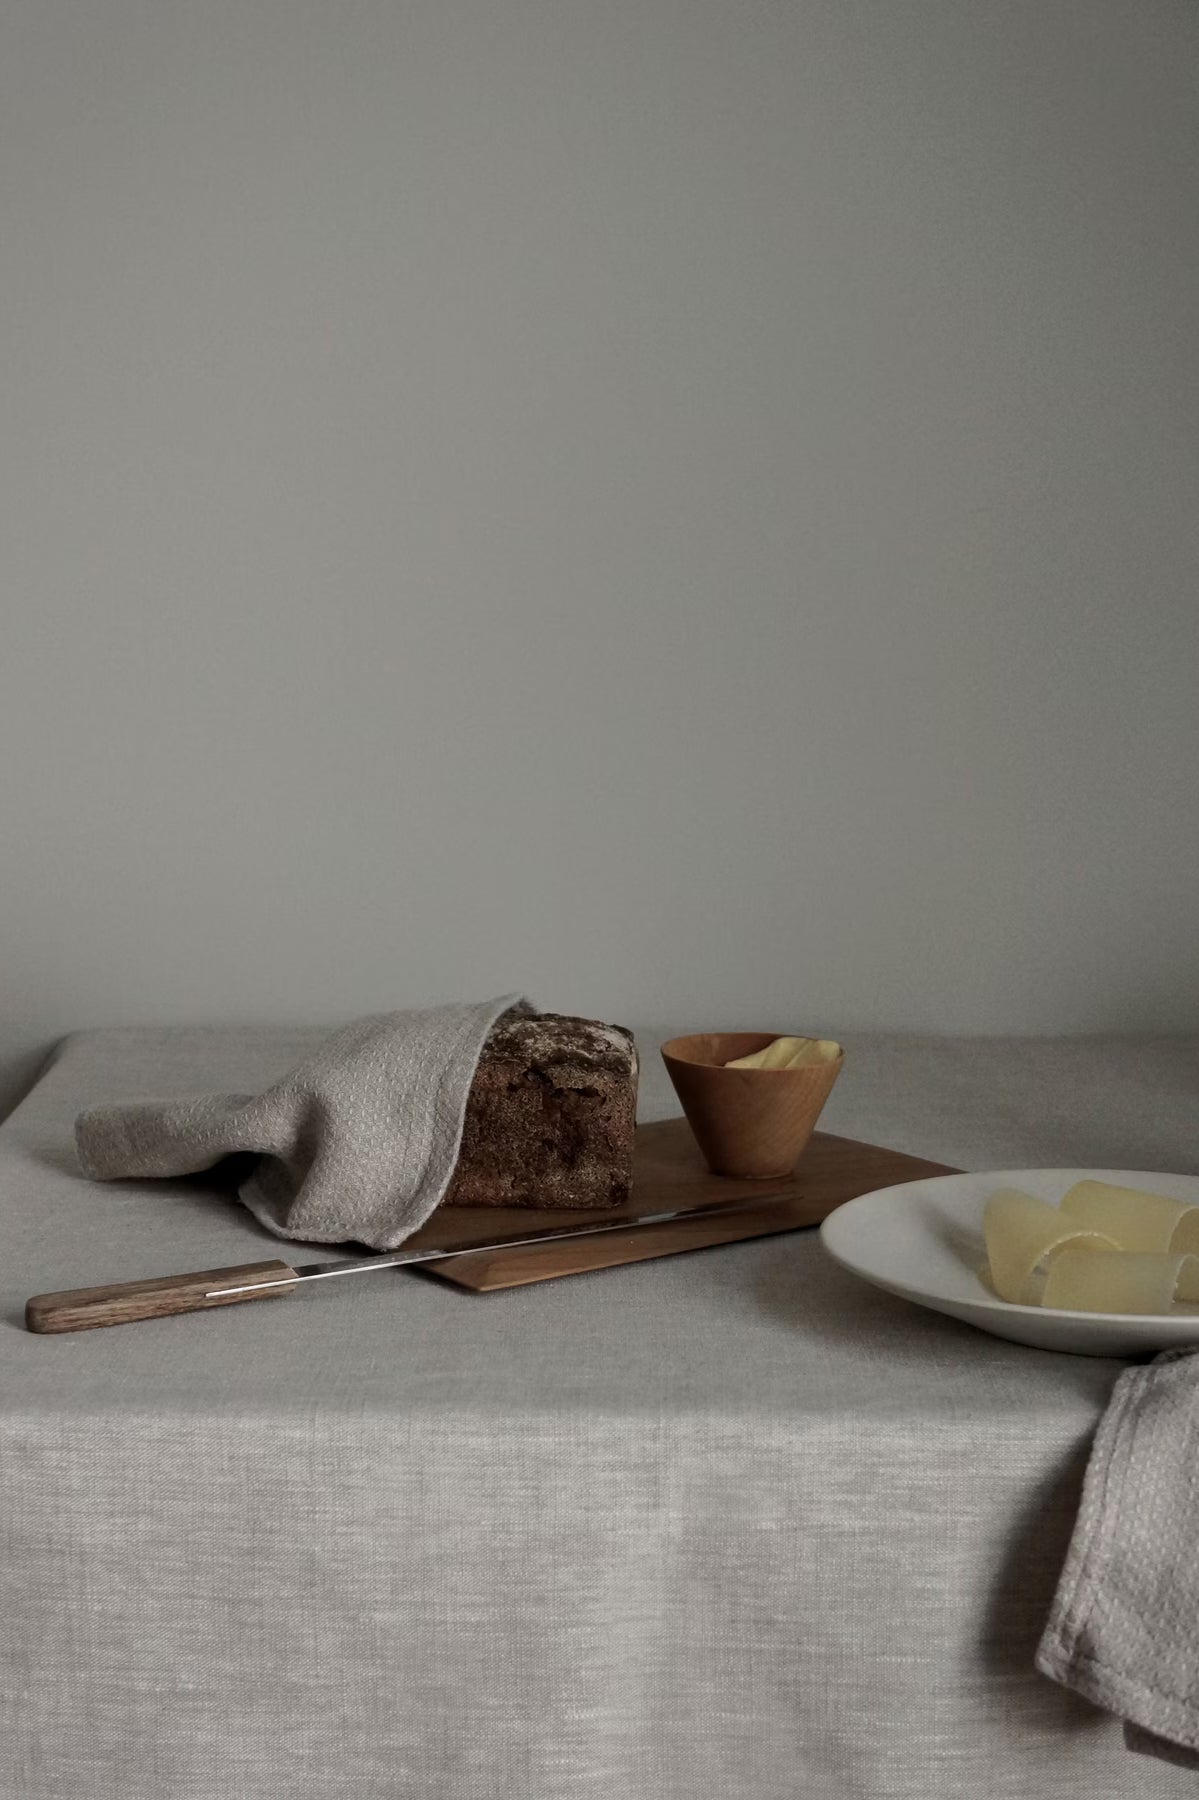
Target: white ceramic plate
<point>924,1241</point>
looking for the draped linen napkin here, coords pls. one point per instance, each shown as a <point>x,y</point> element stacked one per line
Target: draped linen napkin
<point>358,1142</point>
<point>1124,1627</point>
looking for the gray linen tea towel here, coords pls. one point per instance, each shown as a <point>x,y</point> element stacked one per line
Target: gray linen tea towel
<point>358,1142</point>
<point>1124,1627</point>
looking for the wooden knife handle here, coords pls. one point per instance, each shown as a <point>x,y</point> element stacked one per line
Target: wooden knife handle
<point>82,1309</point>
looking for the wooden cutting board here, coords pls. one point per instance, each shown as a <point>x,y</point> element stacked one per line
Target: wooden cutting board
<point>668,1174</point>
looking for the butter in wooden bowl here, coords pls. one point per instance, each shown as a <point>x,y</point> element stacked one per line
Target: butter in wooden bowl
<point>789,1053</point>
<point>752,1099</point>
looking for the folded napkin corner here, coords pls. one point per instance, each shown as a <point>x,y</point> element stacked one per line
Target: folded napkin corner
<point>1122,1628</point>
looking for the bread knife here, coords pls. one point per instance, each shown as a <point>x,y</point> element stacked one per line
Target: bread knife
<point>84,1309</point>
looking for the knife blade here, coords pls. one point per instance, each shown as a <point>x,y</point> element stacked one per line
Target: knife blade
<point>120,1303</point>
<point>394,1259</point>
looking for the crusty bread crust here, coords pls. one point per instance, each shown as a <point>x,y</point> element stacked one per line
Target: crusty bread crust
<point>551,1116</point>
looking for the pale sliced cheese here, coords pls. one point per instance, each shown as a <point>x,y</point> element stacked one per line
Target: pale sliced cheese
<point>1184,1240</point>
<point>1136,1219</point>
<point>1021,1232</point>
<point>1121,1281</point>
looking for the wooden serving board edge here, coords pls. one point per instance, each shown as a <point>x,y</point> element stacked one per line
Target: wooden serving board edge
<point>487,1271</point>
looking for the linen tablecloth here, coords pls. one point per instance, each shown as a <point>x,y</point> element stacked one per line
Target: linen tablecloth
<point>726,1524</point>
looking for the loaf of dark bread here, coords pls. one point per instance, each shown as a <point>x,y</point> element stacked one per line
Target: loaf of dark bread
<point>551,1116</point>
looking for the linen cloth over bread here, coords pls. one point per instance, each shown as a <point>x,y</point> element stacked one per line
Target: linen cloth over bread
<point>1124,1628</point>
<point>358,1142</point>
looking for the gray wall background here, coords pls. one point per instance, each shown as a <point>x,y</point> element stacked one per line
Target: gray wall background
<point>686,507</point>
